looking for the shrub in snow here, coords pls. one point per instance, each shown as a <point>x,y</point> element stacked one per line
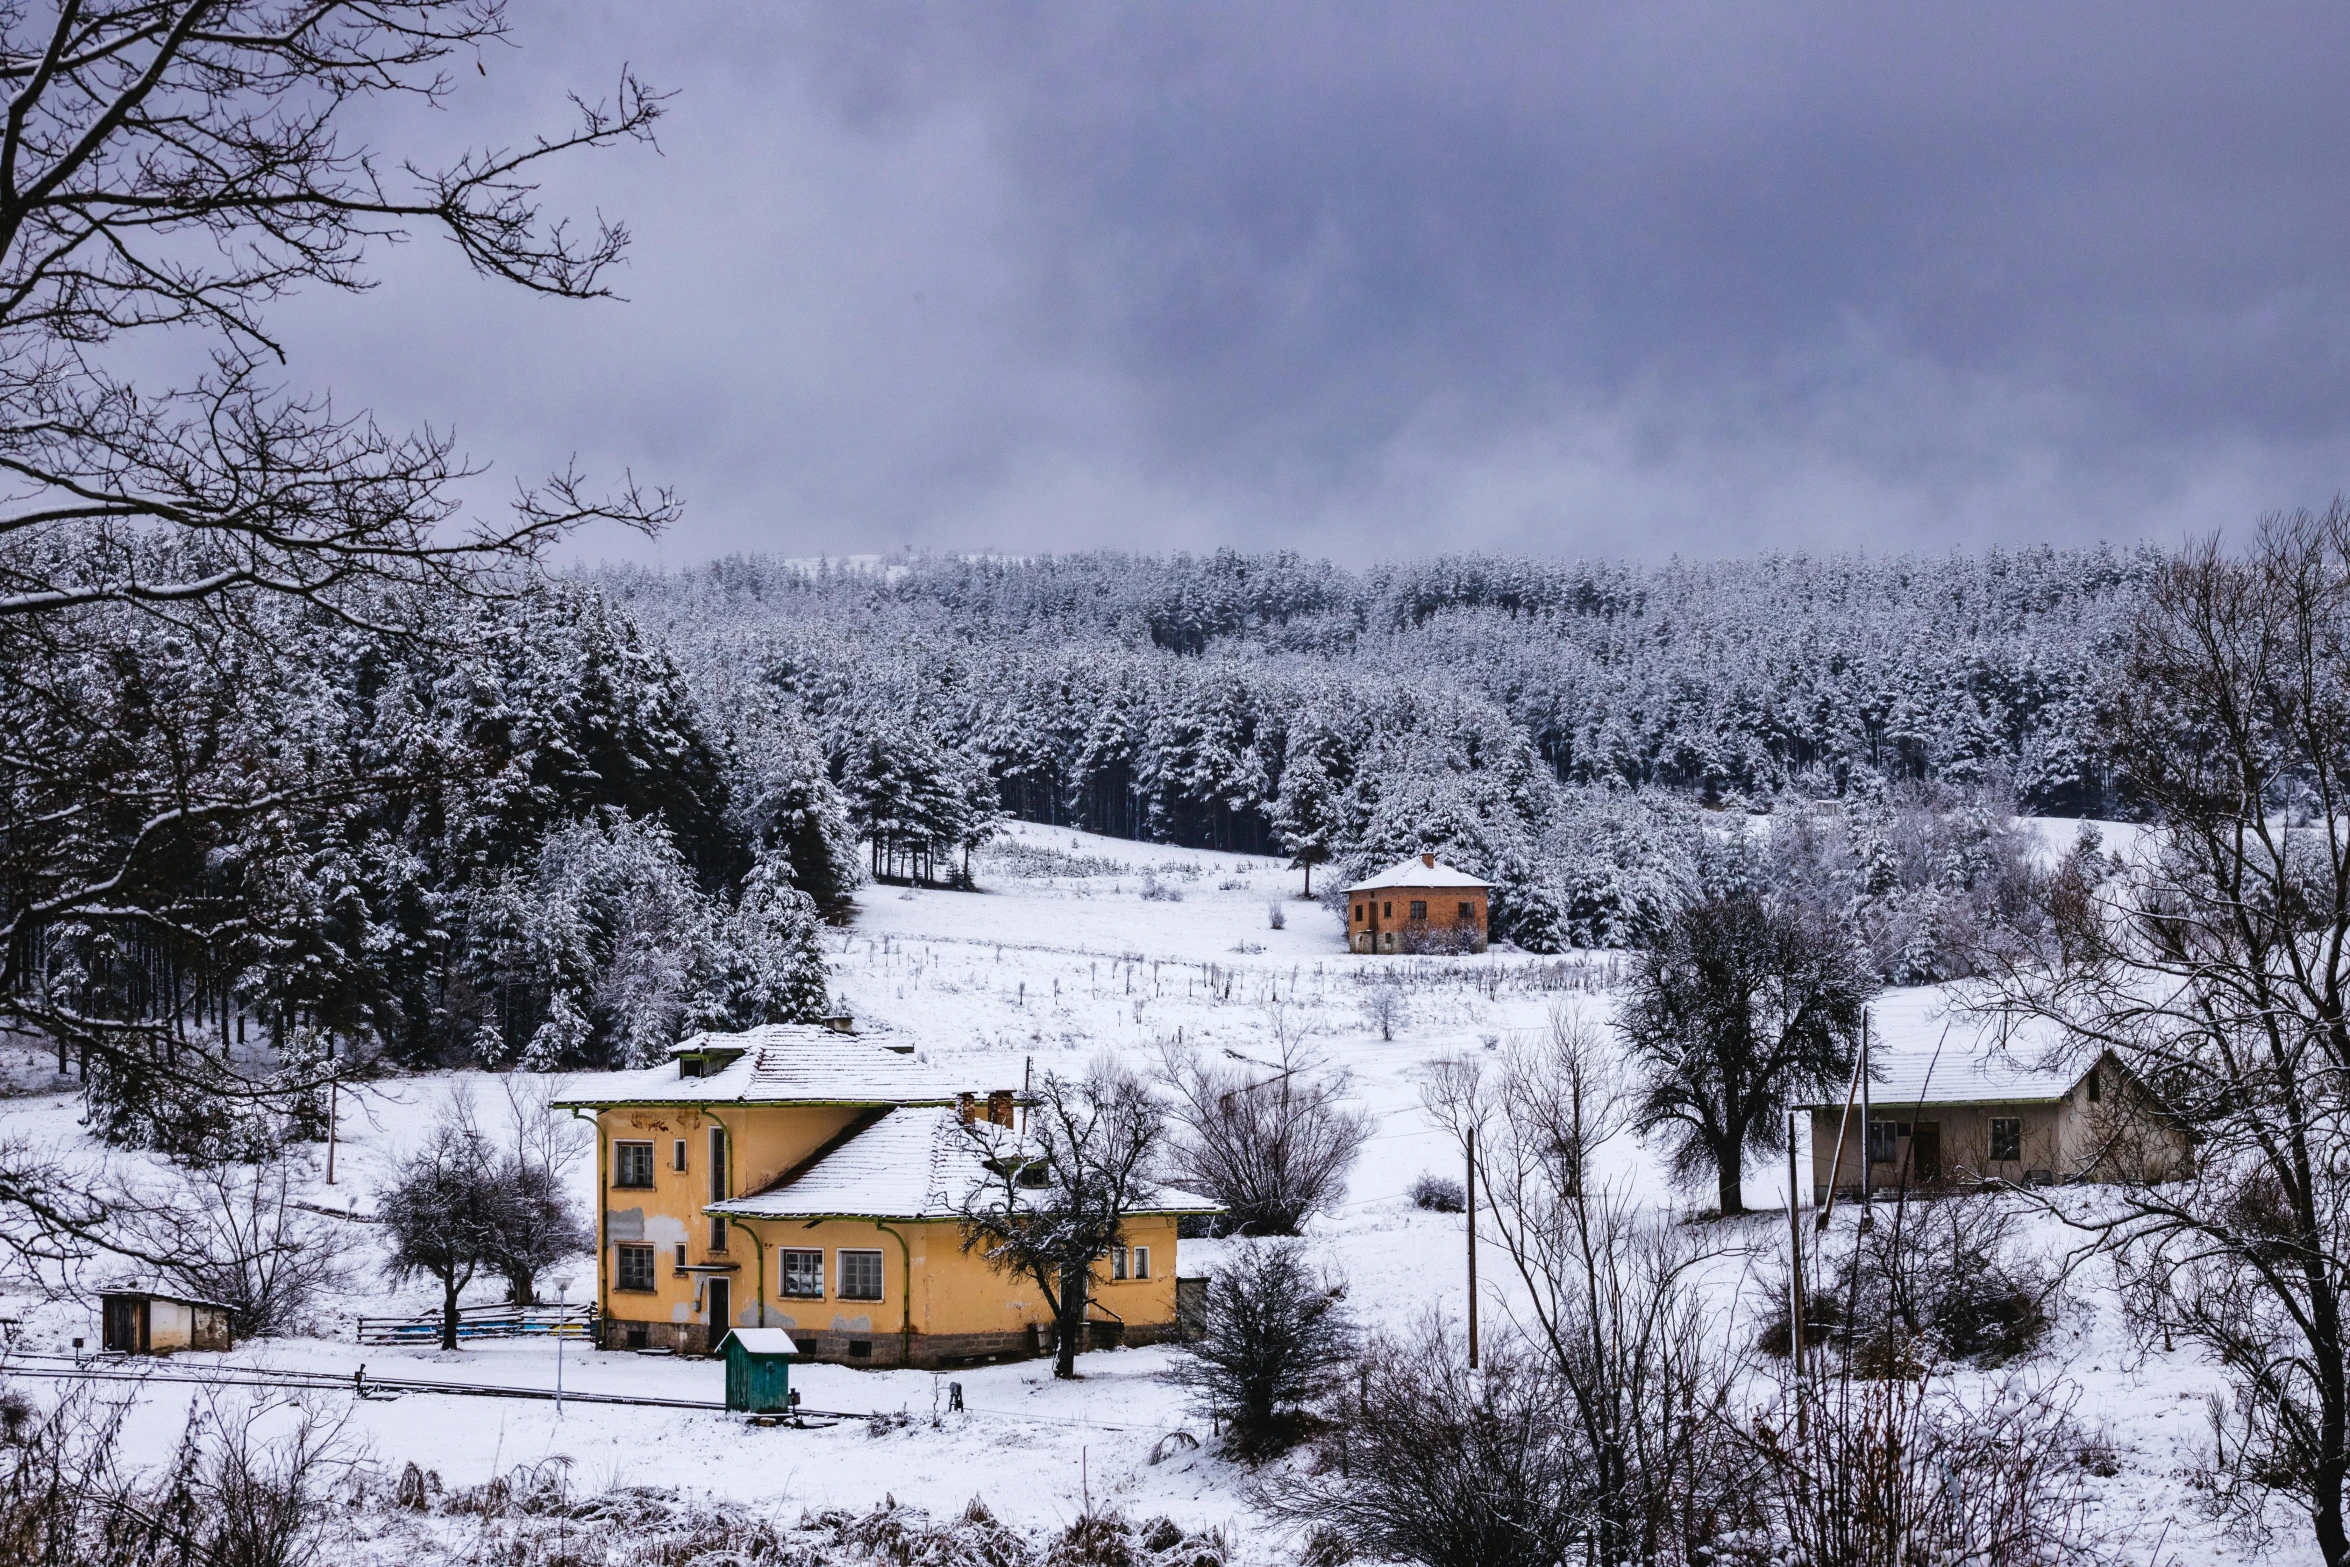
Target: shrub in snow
<point>1157,891</point>
<point>1424,1460</point>
<point>1272,1339</point>
<point>1276,918</point>
<point>1438,1194</point>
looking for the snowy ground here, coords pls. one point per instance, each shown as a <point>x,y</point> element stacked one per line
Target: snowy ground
<point>1079,946</point>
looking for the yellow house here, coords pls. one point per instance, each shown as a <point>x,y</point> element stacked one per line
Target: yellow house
<point>1935,1119</point>
<point>799,1178</point>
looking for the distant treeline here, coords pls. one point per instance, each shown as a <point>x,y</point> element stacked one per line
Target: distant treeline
<point>1519,714</point>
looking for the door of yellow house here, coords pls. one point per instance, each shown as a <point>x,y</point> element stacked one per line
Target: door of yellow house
<point>720,1310</point>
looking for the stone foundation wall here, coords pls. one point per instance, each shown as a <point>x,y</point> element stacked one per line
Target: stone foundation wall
<point>930,1351</point>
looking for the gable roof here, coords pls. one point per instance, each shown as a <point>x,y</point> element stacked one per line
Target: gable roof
<point>761,1341</point>
<point>780,1064</point>
<point>1989,1077</point>
<point>910,1164</point>
<point>1421,870</point>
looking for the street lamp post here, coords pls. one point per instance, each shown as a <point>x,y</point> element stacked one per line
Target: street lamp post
<point>562,1289</point>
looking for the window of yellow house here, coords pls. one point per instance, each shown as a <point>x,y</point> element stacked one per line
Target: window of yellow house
<point>632,1164</point>
<point>1117,1262</point>
<point>803,1275</point>
<point>1130,1262</point>
<point>678,1155</point>
<point>681,1256</point>
<point>636,1267</point>
<point>860,1275</point>
<point>1142,1262</point>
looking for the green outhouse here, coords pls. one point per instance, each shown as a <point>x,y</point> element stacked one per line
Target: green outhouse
<point>758,1370</point>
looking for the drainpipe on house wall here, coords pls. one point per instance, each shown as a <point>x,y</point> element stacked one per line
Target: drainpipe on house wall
<point>906,1301</point>
<point>603,1239</point>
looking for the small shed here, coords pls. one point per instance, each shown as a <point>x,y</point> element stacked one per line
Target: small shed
<point>143,1322</point>
<point>758,1370</point>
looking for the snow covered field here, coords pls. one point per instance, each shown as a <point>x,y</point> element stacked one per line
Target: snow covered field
<point>1079,946</point>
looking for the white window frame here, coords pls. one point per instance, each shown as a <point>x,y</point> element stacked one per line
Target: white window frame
<point>1140,1259</point>
<point>1117,1264</point>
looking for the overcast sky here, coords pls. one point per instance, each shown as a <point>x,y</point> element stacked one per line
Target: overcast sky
<point>1374,281</point>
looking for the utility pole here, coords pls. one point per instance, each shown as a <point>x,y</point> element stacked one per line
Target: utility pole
<point>1471,1191</point>
<point>1868,1167</point>
<point>1795,1275</point>
<point>333,1081</point>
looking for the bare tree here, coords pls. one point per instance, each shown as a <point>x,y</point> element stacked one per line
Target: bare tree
<point>1747,1000</point>
<point>241,1240</point>
<point>177,165</point>
<point>1055,1198</point>
<point>2216,969</point>
<point>1386,1008</point>
<point>442,1213</point>
<point>1272,1142</point>
<point>1608,1302</point>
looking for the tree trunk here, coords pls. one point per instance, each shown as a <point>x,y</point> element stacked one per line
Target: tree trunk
<point>1069,1325</point>
<point>1729,1177</point>
<point>449,1288</point>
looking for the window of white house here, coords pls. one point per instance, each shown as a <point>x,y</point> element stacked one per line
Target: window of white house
<point>632,1164</point>
<point>2007,1137</point>
<point>803,1274</point>
<point>860,1275</point>
<point>636,1267</point>
<point>1883,1140</point>
<point>2093,1085</point>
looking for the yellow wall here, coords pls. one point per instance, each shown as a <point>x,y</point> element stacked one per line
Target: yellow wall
<point>762,1143</point>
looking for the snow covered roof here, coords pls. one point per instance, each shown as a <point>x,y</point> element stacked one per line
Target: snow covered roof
<point>1957,1077</point>
<point>910,1164</point>
<point>762,1341</point>
<point>780,1064</point>
<point>1421,870</point>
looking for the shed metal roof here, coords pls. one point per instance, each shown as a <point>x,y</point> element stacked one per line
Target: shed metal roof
<point>762,1341</point>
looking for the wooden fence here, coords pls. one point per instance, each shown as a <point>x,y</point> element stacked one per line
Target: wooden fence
<point>576,1322</point>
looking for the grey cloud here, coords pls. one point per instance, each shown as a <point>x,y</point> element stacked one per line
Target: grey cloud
<point>1374,280</point>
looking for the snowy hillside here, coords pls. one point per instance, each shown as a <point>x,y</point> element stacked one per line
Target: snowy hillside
<point>1076,946</point>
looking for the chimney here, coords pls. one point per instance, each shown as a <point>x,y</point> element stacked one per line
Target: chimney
<point>1428,859</point>
<point>965,1109</point>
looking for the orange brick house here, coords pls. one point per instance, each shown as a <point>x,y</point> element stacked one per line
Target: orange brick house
<point>799,1178</point>
<point>1418,905</point>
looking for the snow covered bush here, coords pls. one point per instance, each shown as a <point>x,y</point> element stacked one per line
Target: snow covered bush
<point>1438,1193</point>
